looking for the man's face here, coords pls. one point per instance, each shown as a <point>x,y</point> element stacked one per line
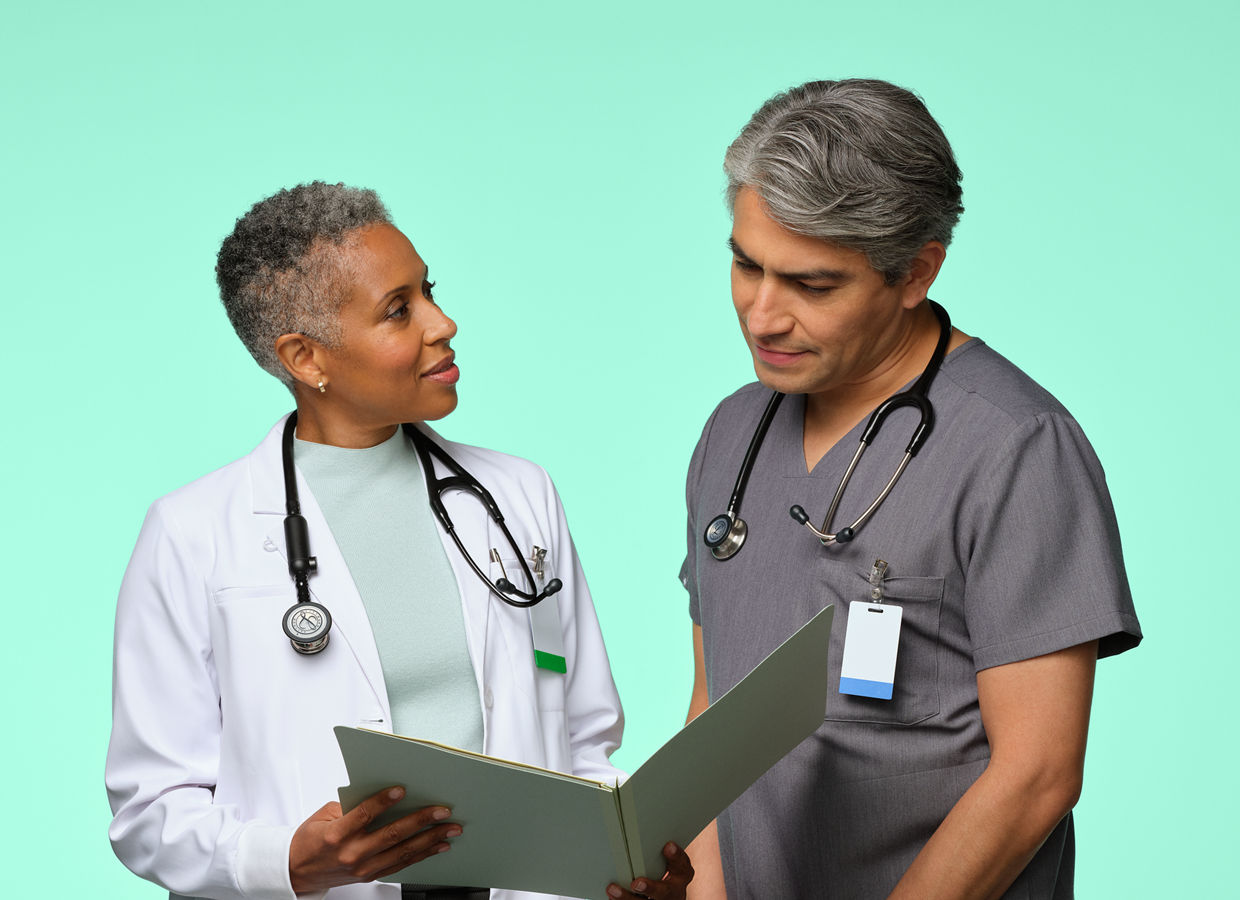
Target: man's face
<point>817,317</point>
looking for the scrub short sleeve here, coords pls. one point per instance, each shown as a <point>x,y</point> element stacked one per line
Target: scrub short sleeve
<point>693,544</point>
<point>1045,570</point>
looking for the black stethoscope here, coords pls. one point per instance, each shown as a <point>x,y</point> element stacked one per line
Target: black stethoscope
<point>726,533</point>
<point>307,623</point>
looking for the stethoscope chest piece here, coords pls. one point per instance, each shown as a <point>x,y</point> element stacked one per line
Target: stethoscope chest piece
<point>724,535</point>
<point>307,625</point>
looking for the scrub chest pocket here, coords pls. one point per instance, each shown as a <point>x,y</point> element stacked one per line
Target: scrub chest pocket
<point>915,697</point>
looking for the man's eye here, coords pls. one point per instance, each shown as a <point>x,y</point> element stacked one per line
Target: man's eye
<point>746,266</point>
<point>815,290</point>
<point>428,290</point>
<point>398,312</point>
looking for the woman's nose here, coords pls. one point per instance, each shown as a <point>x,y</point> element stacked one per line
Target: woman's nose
<point>442,328</point>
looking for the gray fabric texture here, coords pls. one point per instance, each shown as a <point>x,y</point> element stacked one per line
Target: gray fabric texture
<point>1002,545</point>
<point>375,503</point>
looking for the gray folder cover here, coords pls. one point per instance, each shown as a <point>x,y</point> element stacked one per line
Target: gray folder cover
<point>530,829</point>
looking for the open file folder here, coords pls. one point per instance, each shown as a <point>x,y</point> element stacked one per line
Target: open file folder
<point>531,829</point>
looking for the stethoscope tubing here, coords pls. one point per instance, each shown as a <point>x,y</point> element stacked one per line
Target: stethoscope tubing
<point>725,535</point>
<point>307,623</point>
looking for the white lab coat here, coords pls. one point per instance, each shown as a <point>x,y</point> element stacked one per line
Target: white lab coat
<point>222,734</point>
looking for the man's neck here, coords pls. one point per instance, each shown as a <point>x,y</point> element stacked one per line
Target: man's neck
<point>831,414</point>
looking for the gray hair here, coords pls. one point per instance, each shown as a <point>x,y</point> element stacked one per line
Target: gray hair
<point>283,270</point>
<point>860,163</point>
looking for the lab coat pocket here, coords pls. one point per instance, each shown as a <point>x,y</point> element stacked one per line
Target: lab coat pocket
<point>915,697</point>
<point>259,669</point>
<point>540,665</point>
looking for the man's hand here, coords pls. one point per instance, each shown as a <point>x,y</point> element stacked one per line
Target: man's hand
<point>330,849</point>
<point>670,887</point>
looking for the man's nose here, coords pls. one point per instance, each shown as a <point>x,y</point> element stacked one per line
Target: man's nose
<point>767,314</point>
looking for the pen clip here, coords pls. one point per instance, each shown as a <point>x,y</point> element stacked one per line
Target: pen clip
<point>495,559</point>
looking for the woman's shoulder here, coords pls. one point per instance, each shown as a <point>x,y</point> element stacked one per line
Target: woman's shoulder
<point>495,463</point>
<point>255,479</point>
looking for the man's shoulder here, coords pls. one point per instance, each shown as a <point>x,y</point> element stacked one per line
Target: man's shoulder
<point>993,387</point>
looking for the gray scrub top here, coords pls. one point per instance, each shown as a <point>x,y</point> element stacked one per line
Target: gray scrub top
<point>1001,544</point>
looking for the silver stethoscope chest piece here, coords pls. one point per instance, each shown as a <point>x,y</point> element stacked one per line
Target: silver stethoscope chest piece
<point>724,535</point>
<point>726,532</point>
<point>307,625</point>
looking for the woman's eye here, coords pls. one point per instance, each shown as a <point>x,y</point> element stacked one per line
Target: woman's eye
<point>399,311</point>
<point>428,290</point>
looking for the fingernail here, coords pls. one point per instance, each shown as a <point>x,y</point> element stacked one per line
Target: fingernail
<point>443,848</point>
<point>640,886</point>
<point>613,891</point>
<point>396,793</point>
<point>441,813</point>
<point>669,849</point>
<point>454,831</point>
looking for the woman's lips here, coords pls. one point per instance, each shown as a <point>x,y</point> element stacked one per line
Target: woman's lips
<point>446,372</point>
<point>776,357</point>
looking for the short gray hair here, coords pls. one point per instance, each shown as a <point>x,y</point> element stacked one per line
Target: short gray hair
<point>281,271</point>
<point>860,163</point>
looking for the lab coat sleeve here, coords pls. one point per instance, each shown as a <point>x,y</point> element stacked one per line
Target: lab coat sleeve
<point>593,714</point>
<point>163,757</point>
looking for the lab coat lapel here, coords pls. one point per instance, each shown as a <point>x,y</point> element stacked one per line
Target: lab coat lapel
<point>331,585</point>
<point>471,521</point>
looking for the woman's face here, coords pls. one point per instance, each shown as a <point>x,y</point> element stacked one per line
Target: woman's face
<point>393,363</point>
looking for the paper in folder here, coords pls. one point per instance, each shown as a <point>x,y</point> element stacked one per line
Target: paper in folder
<point>531,829</point>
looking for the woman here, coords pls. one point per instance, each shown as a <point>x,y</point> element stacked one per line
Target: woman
<point>222,752</point>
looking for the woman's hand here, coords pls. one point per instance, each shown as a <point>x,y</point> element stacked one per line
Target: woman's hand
<point>330,849</point>
<point>670,887</point>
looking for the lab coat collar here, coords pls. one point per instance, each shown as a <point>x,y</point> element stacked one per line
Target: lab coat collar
<point>331,585</point>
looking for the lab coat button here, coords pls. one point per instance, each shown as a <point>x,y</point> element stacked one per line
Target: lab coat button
<point>488,698</point>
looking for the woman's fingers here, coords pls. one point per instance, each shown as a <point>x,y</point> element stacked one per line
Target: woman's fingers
<point>679,867</point>
<point>421,846</point>
<point>398,832</point>
<point>360,818</point>
<point>331,848</point>
<point>670,887</point>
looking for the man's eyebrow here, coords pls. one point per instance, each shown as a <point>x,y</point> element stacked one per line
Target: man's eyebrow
<point>736,249</point>
<point>809,275</point>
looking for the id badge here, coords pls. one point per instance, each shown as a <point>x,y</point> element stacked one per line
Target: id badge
<point>547,634</point>
<point>871,642</point>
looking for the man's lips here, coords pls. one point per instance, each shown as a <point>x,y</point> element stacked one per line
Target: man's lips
<point>444,371</point>
<point>777,357</point>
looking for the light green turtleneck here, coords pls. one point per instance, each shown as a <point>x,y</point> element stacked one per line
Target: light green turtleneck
<point>375,503</point>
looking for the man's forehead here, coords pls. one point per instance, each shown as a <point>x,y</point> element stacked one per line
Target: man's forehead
<point>758,237</point>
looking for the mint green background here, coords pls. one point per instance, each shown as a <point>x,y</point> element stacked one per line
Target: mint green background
<point>559,167</point>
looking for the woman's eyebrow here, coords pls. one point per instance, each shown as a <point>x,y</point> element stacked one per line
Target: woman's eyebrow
<point>426,273</point>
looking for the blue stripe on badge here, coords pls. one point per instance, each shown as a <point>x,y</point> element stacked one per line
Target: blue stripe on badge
<point>860,687</point>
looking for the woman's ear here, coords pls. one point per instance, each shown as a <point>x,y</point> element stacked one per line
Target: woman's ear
<point>921,273</point>
<point>300,357</point>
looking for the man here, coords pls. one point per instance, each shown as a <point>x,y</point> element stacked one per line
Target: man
<point>996,553</point>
